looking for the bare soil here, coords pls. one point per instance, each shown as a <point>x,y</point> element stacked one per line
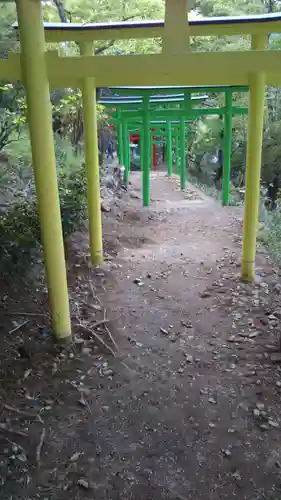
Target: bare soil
<point>189,404</point>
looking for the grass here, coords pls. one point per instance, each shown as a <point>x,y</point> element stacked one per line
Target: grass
<point>270,236</point>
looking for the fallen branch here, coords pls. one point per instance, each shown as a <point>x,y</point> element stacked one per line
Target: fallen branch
<point>22,412</point>
<point>40,445</point>
<point>4,428</point>
<point>23,313</point>
<point>98,337</point>
<point>111,337</point>
<point>18,327</point>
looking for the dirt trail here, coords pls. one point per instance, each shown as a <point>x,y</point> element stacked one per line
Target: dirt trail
<point>194,411</point>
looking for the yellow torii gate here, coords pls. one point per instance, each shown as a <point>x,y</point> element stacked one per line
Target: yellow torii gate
<point>176,65</point>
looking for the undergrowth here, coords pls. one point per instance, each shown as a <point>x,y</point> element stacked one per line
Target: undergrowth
<point>213,192</point>
<point>20,238</point>
<point>270,235</point>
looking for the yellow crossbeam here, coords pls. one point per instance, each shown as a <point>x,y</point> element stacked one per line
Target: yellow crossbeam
<point>204,68</point>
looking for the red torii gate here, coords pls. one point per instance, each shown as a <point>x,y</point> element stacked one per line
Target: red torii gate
<point>134,138</point>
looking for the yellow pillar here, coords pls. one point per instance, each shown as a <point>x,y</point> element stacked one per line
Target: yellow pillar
<point>253,165</point>
<point>92,161</point>
<point>41,135</point>
<point>176,33</point>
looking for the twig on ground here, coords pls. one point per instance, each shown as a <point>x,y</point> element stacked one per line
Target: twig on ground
<point>40,445</point>
<point>4,428</point>
<point>111,337</point>
<point>23,313</point>
<point>99,323</point>
<point>98,337</point>
<point>18,327</point>
<point>22,412</point>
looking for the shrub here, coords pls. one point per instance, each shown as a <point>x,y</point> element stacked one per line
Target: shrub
<point>20,238</point>
<point>271,235</point>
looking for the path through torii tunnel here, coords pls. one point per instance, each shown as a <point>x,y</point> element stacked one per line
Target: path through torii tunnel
<point>176,65</point>
<point>144,107</point>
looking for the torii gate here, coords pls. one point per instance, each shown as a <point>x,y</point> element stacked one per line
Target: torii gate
<point>176,65</point>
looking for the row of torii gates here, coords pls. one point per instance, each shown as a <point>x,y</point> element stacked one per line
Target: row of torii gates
<point>176,65</point>
<point>166,112</point>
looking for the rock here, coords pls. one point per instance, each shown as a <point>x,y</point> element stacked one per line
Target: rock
<point>227,453</point>
<point>260,406</point>
<point>134,195</point>
<point>264,427</point>
<point>188,357</point>
<point>138,281</point>
<point>180,370</point>
<point>273,423</point>
<point>108,373</point>
<point>212,401</point>
<point>104,206</point>
<point>162,330</point>
<point>278,383</point>
<point>256,413</point>
<point>86,351</point>
<point>83,483</point>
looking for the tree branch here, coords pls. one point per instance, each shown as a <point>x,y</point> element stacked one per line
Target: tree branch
<point>61,10</point>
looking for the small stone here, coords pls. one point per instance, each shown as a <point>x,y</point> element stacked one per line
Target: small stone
<point>212,425</point>
<point>188,357</point>
<point>108,373</point>
<point>205,295</point>
<point>236,475</point>
<point>83,483</point>
<point>227,453</point>
<point>105,206</point>
<point>264,427</point>
<point>180,370</point>
<point>273,423</point>
<point>212,401</point>
<point>162,330</point>
<point>138,282</point>
<point>256,412</point>
<point>252,335</point>
<point>86,351</point>
<point>75,456</point>
<point>260,406</point>
<point>278,383</point>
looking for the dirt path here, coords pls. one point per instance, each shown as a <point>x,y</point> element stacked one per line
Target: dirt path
<point>194,410</point>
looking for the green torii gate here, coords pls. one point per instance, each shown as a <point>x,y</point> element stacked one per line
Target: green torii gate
<point>175,65</point>
<point>133,105</point>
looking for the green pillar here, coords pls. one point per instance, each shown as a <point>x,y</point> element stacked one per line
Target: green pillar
<point>182,154</point>
<point>146,155</point>
<point>177,151</point>
<point>126,152</point>
<point>120,143</point>
<point>227,148</point>
<point>169,149</point>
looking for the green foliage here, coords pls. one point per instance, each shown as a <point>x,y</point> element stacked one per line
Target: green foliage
<point>270,236</point>
<point>20,238</point>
